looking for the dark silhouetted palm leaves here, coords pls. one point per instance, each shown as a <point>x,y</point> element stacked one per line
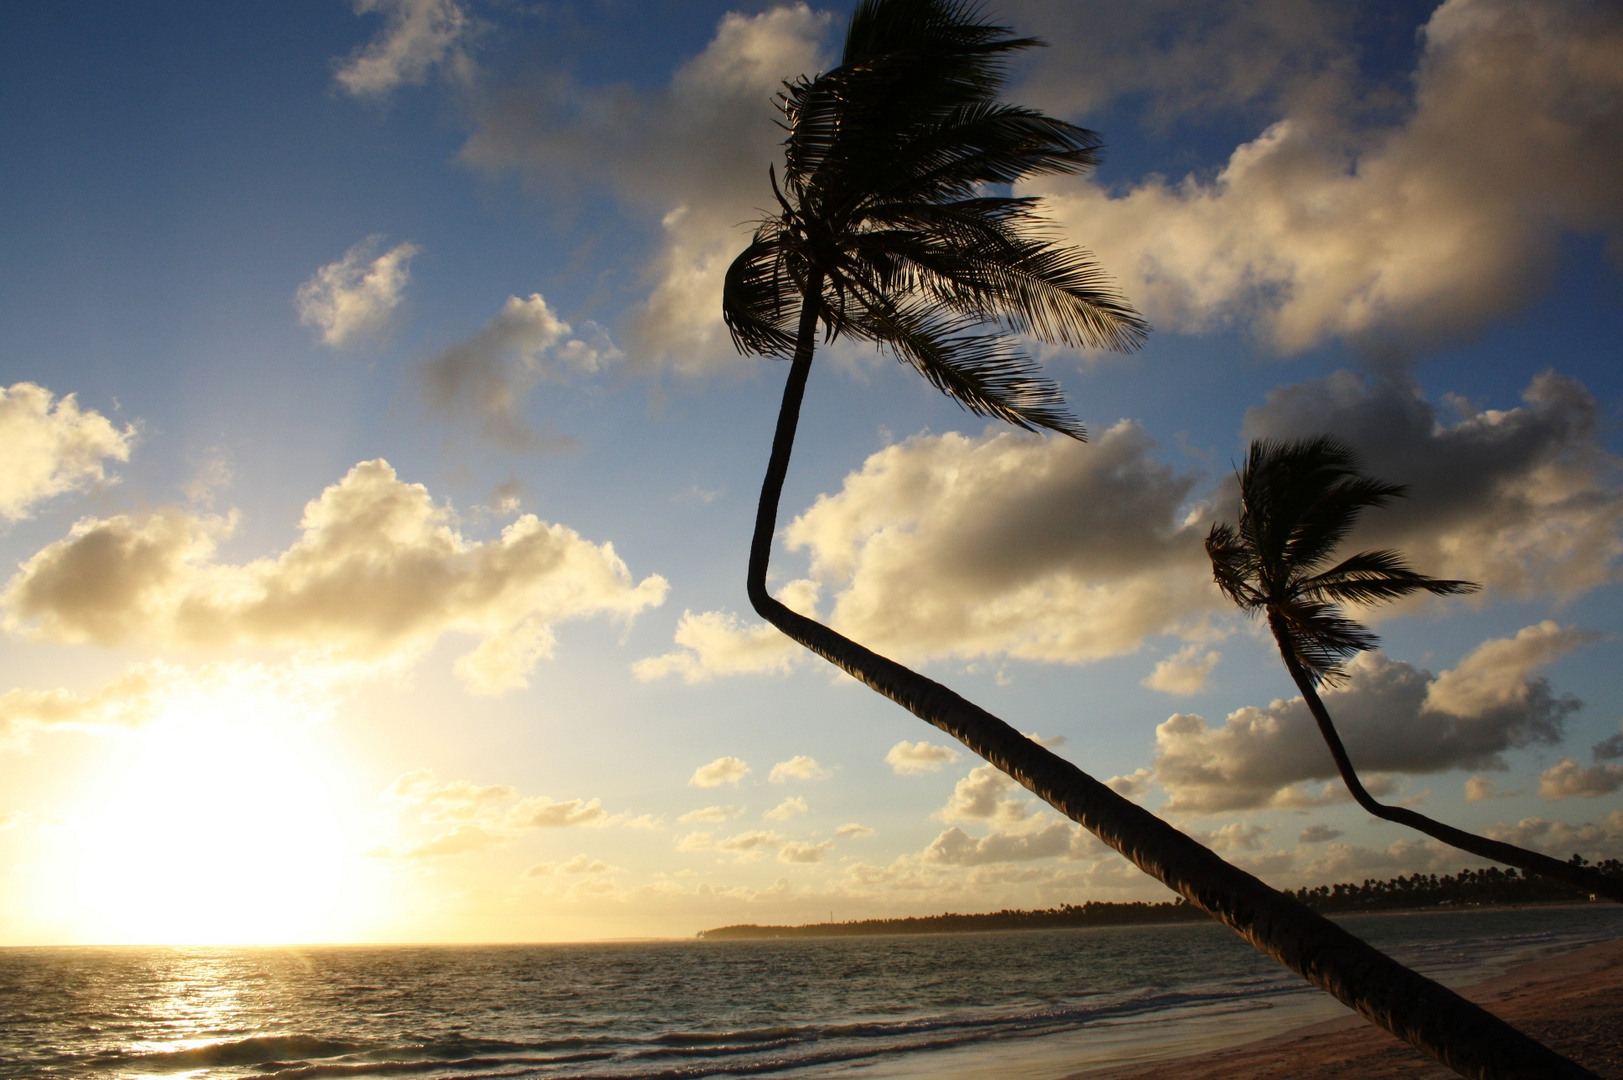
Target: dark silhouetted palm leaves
<point>890,228</point>
<point>1298,502</point>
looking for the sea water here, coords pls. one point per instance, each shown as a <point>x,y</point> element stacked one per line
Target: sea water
<point>1010,1004</point>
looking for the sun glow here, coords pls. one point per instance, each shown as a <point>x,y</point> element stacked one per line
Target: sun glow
<point>220,824</point>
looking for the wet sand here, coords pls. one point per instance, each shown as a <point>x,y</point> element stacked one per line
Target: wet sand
<point>1572,1003</point>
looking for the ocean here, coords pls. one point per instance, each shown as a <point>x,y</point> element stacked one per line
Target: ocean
<point>1035,1004</point>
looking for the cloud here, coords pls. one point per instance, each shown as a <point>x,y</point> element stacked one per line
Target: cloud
<point>51,447</point>
<point>1059,839</point>
<point>854,829</point>
<point>691,155</point>
<point>1235,836</point>
<point>912,758</point>
<point>482,816</point>
<point>791,807</point>
<point>714,643</point>
<point>1318,834</point>
<point>988,794</point>
<point>1393,717</point>
<point>1609,748</point>
<point>1185,671</point>
<point>378,571</point>
<point>797,851</point>
<point>1480,788</point>
<point>353,298</point>
<point>1567,779</point>
<point>1595,840</point>
<point>799,767</point>
<point>489,375</point>
<point>417,37</point>
<point>1009,544</point>
<point>1134,785</point>
<point>723,770</point>
<point>717,814</point>
<point>1425,228</point>
<point>127,701</point>
<point>1527,500</point>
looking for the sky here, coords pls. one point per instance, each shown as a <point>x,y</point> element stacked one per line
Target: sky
<point>379,473</point>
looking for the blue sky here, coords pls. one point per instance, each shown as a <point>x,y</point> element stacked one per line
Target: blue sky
<point>342,294</point>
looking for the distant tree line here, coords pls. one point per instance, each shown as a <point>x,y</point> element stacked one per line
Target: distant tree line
<point>1469,888</point>
<point>1490,886</point>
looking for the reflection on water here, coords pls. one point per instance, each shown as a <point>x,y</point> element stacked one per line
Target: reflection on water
<point>1008,1004</point>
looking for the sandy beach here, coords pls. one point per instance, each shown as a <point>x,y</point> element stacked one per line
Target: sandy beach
<point>1572,1003</point>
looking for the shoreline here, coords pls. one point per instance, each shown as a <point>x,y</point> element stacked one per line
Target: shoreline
<point>1572,1002</point>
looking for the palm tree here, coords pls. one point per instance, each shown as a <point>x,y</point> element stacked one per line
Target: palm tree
<point>1298,501</point>
<point>889,230</point>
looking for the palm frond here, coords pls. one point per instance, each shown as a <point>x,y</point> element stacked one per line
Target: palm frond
<point>1375,576</point>
<point>1321,637</point>
<point>758,300</point>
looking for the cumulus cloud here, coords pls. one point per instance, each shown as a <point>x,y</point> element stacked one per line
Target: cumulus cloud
<point>1393,717</point>
<point>481,816</point>
<point>1326,225</point>
<point>1318,834</point>
<point>1036,547</point>
<point>1594,839</point>
<point>854,829</point>
<point>798,851</point>
<point>723,770</point>
<point>353,298</point>
<point>799,767</point>
<point>1480,788</point>
<point>791,807</point>
<point>990,795</point>
<point>1567,779</point>
<point>1609,748</point>
<point>714,643</point>
<point>912,758</point>
<point>417,37</point>
<point>1057,839</point>
<point>691,155</point>
<point>1527,500</point>
<point>378,571</point>
<point>489,375</point>
<point>51,446</point>
<point>1185,671</point>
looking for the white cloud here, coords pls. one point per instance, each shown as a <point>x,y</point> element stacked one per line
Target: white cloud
<point>714,643</point>
<point>1427,228</point>
<point>1036,547</point>
<point>1526,501</point>
<point>723,770</point>
<point>912,758</point>
<point>1134,785</point>
<point>1567,779</point>
<point>1235,836</point>
<point>482,816</point>
<point>799,767</point>
<point>854,829</point>
<point>50,446</point>
<point>692,155</point>
<point>1060,839</point>
<point>353,298</point>
<point>798,851</point>
<point>489,375</point>
<point>1393,717</point>
<point>791,807</point>
<point>417,37</point>
<point>379,571</point>
<point>1185,671</point>
<point>990,795</point>
<point>1318,834</point>
<point>716,814</point>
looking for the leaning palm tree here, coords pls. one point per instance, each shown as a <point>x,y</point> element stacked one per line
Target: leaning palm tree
<point>1299,500</point>
<point>890,229</point>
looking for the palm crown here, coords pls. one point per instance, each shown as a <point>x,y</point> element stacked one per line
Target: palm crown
<point>887,229</point>
<point>1298,501</point>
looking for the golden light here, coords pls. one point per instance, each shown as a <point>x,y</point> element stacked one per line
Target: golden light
<point>221,823</point>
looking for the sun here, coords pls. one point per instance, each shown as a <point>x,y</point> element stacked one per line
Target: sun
<point>222,823</point>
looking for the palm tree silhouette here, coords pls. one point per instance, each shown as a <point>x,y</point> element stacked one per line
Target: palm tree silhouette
<point>889,230</point>
<point>1299,500</point>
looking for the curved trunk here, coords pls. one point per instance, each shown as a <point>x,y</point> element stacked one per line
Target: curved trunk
<point>1581,878</point>
<point>1438,1022</point>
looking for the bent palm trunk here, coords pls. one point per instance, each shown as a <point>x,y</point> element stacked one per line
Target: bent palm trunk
<point>1582,878</point>
<point>1433,1019</point>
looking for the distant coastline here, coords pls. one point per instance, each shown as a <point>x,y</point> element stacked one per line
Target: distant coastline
<point>1491,887</point>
